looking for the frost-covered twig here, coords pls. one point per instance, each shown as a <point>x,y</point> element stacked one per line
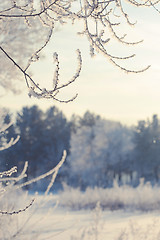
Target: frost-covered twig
<point>50,172</point>
<point>18,211</point>
<point>10,143</point>
<point>3,129</point>
<point>36,91</point>
<point>9,172</point>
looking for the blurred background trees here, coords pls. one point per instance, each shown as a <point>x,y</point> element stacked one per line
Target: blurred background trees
<point>99,151</point>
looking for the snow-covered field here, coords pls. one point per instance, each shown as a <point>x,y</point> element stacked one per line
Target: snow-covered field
<point>46,219</point>
<point>113,225</point>
<point>78,225</point>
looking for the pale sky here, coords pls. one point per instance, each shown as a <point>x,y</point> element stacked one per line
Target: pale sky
<point>102,88</point>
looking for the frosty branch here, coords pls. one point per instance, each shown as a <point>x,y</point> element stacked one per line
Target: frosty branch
<point>34,88</point>
<point>5,145</point>
<point>102,22</point>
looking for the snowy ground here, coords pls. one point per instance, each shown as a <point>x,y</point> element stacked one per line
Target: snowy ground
<point>60,224</point>
<point>74,225</point>
<point>47,219</point>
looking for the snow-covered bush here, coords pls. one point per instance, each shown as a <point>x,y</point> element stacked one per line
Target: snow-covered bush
<point>144,197</point>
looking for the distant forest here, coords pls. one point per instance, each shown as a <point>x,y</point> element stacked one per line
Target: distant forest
<point>99,151</point>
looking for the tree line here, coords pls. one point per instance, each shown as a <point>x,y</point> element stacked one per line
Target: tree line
<point>98,150</point>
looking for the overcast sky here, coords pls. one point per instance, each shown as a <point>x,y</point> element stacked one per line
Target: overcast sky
<point>102,88</point>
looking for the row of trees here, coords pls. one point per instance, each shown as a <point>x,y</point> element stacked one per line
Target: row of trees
<point>105,150</point>
<point>98,150</point>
